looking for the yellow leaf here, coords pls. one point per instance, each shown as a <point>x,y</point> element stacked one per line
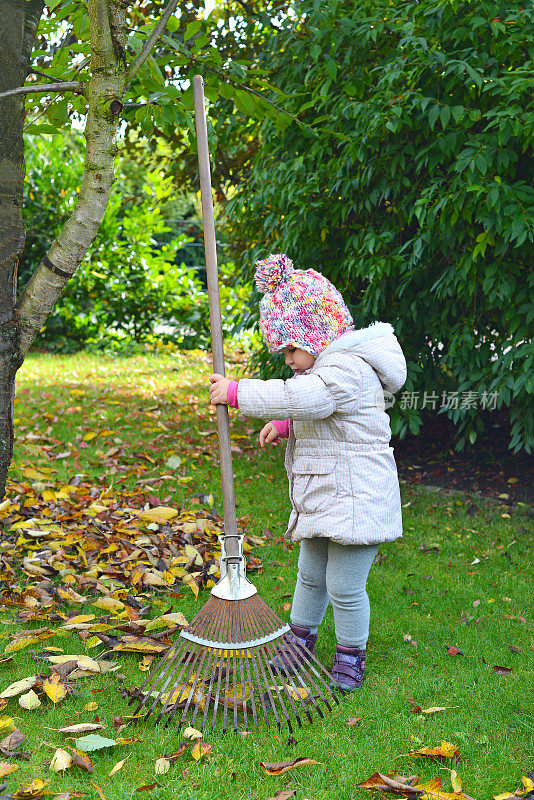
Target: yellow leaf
<point>60,760</point>
<point>456,781</point>
<point>117,767</point>
<point>168,621</point>
<point>33,474</point>
<point>53,688</point>
<point>159,512</point>
<point>89,436</point>
<point>33,789</point>
<point>6,769</point>
<point>99,791</point>
<point>200,749</point>
<point>109,604</point>
<point>528,784</point>
<point>5,722</point>
<point>90,707</point>
<point>192,733</point>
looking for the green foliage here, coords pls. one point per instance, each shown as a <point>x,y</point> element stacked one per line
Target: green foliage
<point>133,286</point>
<point>414,194</point>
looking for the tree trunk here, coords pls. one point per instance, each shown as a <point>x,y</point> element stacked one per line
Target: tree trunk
<point>20,321</point>
<point>18,24</point>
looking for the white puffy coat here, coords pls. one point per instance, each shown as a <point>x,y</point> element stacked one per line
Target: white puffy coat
<point>343,480</point>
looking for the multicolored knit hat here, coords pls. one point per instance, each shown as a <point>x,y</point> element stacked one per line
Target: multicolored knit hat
<point>300,308</point>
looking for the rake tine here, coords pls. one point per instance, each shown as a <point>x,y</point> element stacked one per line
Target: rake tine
<point>214,671</point>
<point>266,656</point>
<point>299,677</point>
<point>306,670</point>
<point>209,670</point>
<point>193,689</point>
<point>226,695</point>
<point>299,698</point>
<point>218,690</point>
<point>176,703</point>
<point>246,624</point>
<point>169,679</point>
<point>235,657</point>
<point>272,648</point>
<point>155,674</point>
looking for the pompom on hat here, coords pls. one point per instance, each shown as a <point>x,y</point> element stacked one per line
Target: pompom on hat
<point>300,308</point>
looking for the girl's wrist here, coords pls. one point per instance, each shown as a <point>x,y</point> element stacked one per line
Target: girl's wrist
<point>232,394</point>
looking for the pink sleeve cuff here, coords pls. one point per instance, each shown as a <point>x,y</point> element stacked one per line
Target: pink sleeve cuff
<point>232,394</point>
<point>282,426</point>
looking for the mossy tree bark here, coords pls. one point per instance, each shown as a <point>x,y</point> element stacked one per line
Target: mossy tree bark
<point>110,77</point>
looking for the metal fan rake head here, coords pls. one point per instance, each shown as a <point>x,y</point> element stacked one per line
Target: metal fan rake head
<point>222,668</point>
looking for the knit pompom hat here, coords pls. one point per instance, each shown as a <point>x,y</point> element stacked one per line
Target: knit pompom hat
<point>300,308</point>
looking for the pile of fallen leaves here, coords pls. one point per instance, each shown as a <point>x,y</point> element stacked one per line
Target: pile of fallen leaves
<point>77,541</point>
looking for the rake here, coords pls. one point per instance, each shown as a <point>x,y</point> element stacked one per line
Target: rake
<point>222,664</point>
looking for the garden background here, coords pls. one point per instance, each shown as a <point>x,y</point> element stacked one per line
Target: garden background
<point>389,146</point>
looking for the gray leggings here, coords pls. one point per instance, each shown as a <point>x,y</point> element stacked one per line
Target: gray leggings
<point>335,572</point>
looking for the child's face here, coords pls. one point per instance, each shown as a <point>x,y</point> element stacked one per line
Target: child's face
<point>297,358</point>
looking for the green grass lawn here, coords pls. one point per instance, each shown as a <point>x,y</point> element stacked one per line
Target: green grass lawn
<point>455,579</point>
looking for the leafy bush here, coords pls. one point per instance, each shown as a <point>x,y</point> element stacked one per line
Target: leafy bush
<point>131,288</point>
<point>410,186</point>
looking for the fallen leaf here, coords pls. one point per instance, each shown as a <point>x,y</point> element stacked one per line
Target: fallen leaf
<point>415,708</point>
<point>54,688</point>
<point>200,749</point>
<point>435,709</point>
<point>60,760</point>
<point>119,765</point>
<point>80,727</point>
<point>162,766</point>
<point>11,742</point>
<point>390,783</point>
<point>81,759</point>
<point>34,789</point>
<point>147,787</point>
<point>19,687</point>
<point>6,768</point>
<point>354,721</point>
<point>283,794</point>
<point>283,766</point>
<point>192,733</point>
<point>90,707</point>
<point>99,791</point>
<point>94,742</point>
<point>456,781</point>
<point>453,651</point>
<point>501,670</point>
<point>29,701</point>
<point>445,750</point>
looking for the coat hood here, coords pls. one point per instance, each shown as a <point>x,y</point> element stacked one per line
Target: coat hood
<point>379,347</point>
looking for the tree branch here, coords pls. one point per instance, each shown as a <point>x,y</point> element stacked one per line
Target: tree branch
<point>149,44</point>
<point>64,86</point>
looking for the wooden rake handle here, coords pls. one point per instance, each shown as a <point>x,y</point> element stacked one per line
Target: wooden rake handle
<point>210,247</point>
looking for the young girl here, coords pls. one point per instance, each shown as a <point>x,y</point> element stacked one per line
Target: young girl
<point>343,482</point>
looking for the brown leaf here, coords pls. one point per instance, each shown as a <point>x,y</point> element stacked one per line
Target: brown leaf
<point>354,721</point>
<point>82,760</point>
<point>415,708</point>
<point>283,766</point>
<point>147,787</point>
<point>283,794</point>
<point>181,750</point>
<point>390,783</point>
<point>515,649</point>
<point>453,651</point>
<point>11,742</point>
<point>6,768</point>
<point>200,749</point>
<point>501,670</point>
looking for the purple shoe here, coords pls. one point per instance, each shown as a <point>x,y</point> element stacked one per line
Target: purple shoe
<point>289,659</point>
<point>348,669</point>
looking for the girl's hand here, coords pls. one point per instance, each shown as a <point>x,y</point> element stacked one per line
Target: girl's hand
<point>219,389</point>
<point>268,434</point>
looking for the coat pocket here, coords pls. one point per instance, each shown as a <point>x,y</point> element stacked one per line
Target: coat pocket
<point>314,484</point>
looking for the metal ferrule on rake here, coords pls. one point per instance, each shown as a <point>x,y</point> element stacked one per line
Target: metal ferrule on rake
<point>233,584</point>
